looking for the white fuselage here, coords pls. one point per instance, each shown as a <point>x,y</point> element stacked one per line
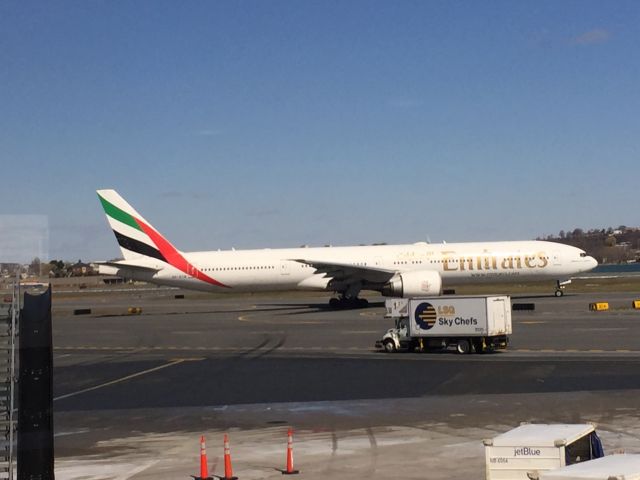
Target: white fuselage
<point>457,263</point>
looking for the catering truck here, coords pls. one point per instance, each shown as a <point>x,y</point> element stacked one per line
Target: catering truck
<point>464,323</point>
<point>529,450</point>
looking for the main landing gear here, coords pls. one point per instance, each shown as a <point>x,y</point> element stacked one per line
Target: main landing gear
<point>348,297</point>
<point>343,302</point>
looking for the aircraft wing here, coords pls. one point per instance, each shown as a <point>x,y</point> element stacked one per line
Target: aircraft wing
<point>344,272</point>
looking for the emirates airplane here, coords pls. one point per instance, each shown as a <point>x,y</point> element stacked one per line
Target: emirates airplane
<point>417,269</point>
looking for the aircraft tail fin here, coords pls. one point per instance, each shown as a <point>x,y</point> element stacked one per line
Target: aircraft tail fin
<point>138,240</point>
<point>136,237</point>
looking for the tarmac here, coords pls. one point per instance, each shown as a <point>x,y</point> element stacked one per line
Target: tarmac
<point>133,393</point>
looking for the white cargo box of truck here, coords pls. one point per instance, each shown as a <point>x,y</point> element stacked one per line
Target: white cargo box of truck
<point>473,316</point>
<point>468,323</point>
<point>612,467</point>
<point>526,451</point>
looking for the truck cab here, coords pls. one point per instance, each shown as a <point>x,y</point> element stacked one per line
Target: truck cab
<point>397,338</point>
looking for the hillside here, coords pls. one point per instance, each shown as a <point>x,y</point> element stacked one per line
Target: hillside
<point>609,245</point>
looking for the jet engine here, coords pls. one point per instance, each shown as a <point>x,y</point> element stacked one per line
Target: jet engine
<point>414,284</point>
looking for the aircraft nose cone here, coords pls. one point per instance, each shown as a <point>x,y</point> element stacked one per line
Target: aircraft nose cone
<point>593,263</point>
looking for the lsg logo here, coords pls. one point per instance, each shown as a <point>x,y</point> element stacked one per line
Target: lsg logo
<point>425,316</point>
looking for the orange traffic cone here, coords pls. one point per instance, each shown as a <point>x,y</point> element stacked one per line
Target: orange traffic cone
<point>228,470</point>
<point>204,472</point>
<point>290,470</point>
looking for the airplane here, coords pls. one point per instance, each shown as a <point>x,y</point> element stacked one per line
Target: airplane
<point>417,269</point>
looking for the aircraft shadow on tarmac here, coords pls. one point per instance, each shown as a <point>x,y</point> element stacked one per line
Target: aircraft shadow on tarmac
<point>301,309</point>
<point>284,308</point>
<point>539,295</point>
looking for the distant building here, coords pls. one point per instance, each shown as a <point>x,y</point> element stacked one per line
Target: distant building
<point>9,269</point>
<point>81,269</point>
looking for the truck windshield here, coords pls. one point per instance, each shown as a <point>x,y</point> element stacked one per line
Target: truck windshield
<point>401,323</point>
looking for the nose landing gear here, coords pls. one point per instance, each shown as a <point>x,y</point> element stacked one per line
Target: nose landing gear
<point>560,285</point>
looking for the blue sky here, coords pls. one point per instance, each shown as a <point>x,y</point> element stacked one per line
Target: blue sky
<point>279,123</point>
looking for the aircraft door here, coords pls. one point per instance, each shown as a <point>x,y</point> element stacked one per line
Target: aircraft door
<point>285,267</point>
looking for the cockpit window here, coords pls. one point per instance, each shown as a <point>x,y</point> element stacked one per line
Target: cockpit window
<point>583,254</point>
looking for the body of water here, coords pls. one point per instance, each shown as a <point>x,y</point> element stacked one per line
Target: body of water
<point>619,268</point>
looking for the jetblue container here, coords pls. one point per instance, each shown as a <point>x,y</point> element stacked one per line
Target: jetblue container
<point>530,449</point>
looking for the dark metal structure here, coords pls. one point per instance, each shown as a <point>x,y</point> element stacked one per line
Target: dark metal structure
<point>35,396</point>
<point>9,314</point>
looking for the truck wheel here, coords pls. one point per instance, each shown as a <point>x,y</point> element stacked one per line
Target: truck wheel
<point>463,346</point>
<point>389,346</point>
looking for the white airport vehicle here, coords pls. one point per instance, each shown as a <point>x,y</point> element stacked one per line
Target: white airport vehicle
<point>526,451</point>
<point>611,467</point>
<point>394,270</point>
<point>466,323</point>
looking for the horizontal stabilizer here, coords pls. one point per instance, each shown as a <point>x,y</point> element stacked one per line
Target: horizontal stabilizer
<point>128,266</point>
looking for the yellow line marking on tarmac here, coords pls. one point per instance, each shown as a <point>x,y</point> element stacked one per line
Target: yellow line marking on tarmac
<point>243,318</point>
<point>123,379</point>
<point>358,332</point>
<point>573,350</point>
<point>368,314</point>
<point>142,349</point>
<point>314,348</point>
<point>532,322</point>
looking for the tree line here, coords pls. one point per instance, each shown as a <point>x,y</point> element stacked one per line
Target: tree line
<point>607,245</point>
